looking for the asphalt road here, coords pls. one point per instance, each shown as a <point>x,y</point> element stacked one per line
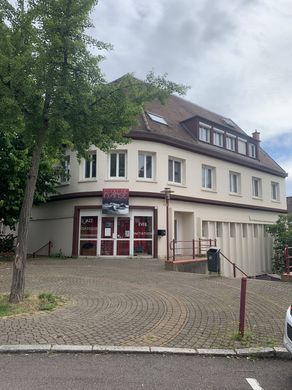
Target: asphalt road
<point>133,372</point>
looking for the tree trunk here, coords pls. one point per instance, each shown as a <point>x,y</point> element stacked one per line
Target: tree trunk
<point>18,281</point>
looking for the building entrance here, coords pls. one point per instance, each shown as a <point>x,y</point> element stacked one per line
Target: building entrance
<point>101,235</point>
<point>115,236</point>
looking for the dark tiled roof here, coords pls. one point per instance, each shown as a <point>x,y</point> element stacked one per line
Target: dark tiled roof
<point>176,111</point>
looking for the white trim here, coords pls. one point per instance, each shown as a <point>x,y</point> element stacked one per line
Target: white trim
<point>205,125</point>
<point>218,130</point>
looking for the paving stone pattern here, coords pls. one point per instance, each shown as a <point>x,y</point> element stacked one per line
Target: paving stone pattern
<point>137,303</point>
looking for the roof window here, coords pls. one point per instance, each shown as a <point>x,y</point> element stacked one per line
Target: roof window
<point>157,118</point>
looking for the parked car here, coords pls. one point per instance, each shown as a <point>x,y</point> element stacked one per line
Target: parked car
<point>288,329</point>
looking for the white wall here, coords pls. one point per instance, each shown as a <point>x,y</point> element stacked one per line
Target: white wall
<point>192,180</point>
<point>54,221</point>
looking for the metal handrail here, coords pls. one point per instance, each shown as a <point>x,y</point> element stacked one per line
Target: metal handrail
<point>235,267</point>
<point>49,244</point>
<point>197,246</point>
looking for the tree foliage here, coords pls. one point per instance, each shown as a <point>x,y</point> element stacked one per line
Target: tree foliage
<point>281,232</point>
<point>52,92</point>
<point>14,166</point>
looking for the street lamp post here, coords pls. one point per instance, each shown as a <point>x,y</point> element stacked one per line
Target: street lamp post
<point>167,191</point>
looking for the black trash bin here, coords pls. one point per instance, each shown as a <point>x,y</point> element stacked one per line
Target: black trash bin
<point>213,255</point>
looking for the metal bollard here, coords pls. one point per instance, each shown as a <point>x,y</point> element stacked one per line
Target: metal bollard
<point>242,306</point>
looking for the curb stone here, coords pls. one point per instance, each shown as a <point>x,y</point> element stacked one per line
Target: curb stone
<point>276,352</point>
<point>25,348</point>
<point>217,352</point>
<point>181,351</point>
<point>126,349</point>
<point>70,348</point>
<point>258,352</point>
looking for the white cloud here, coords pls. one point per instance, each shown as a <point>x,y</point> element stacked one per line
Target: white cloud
<point>235,55</point>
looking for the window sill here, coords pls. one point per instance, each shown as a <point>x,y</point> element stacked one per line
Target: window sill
<point>170,183</point>
<point>209,190</point>
<point>146,180</point>
<point>218,146</point>
<point>257,198</point>
<point>235,194</point>
<point>117,179</point>
<point>275,201</point>
<point>87,180</point>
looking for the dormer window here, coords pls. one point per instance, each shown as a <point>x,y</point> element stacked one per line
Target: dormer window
<point>230,142</point>
<point>204,132</point>
<point>157,118</point>
<point>218,137</point>
<point>241,146</point>
<point>252,150</point>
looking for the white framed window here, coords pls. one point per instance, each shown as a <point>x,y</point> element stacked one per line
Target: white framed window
<point>234,183</point>
<point>204,132</point>
<point>208,177</point>
<point>65,170</point>
<point>241,143</point>
<point>218,138</point>
<point>252,150</point>
<point>230,142</point>
<point>146,165</point>
<point>256,187</point>
<point>117,165</point>
<point>275,191</point>
<point>89,166</point>
<point>175,170</point>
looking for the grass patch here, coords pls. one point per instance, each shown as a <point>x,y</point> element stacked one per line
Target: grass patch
<point>245,340</point>
<point>48,301</point>
<point>30,304</point>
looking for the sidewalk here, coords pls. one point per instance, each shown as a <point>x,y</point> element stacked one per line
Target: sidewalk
<point>121,302</point>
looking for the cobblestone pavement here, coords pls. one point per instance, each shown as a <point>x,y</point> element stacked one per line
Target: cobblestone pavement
<point>136,302</point>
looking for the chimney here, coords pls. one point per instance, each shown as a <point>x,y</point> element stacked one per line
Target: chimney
<point>256,135</point>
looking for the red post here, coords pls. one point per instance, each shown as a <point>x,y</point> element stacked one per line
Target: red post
<point>173,250</point>
<point>242,306</point>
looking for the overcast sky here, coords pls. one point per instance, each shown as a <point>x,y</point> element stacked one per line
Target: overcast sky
<point>234,54</point>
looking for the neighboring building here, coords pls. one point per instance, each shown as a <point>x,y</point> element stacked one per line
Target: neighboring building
<point>224,186</point>
<point>289,204</point>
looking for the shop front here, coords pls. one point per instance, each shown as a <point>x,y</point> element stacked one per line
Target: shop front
<point>116,235</point>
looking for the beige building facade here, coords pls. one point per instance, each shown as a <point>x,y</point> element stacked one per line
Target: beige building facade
<point>223,187</point>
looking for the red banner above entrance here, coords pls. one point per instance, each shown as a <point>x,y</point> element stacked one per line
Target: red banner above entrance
<point>115,201</point>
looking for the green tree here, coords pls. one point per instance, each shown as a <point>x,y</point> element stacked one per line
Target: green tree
<point>54,89</point>
<point>14,166</point>
<point>281,232</point>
